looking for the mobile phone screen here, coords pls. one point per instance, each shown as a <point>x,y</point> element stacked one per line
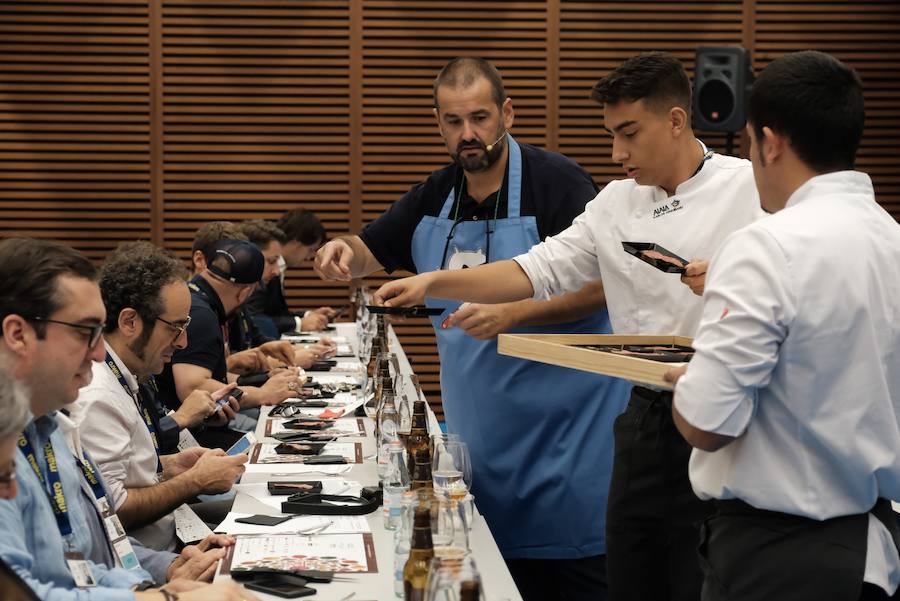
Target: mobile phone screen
<point>243,445</point>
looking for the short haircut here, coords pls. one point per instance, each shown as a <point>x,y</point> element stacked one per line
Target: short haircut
<point>134,276</point>
<point>212,232</point>
<point>13,406</point>
<point>657,78</point>
<point>29,277</point>
<point>261,232</point>
<point>816,101</point>
<point>464,71</point>
<point>303,226</point>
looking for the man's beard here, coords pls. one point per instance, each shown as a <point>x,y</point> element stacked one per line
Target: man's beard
<point>139,346</point>
<point>480,162</point>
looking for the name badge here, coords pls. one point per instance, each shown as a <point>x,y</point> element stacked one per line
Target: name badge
<point>80,570</point>
<point>117,536</point>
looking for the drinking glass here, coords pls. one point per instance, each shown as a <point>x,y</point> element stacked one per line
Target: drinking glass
<point>447,575</point>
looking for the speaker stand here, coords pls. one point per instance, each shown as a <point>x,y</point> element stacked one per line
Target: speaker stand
<point>729,143</point>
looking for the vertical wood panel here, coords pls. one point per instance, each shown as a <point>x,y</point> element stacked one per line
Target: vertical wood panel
<point>74,112</point>
<point>256,100</point>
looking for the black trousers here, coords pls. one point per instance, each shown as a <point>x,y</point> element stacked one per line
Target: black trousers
<point>653,514</point>
<point>752,554</point>
<point>560,579</point>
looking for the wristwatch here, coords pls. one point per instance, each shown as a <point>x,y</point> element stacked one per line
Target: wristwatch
<point>143,586</point>
<point>169,595</point>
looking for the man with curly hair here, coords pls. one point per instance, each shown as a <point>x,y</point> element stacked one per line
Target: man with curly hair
<point>147,304</point>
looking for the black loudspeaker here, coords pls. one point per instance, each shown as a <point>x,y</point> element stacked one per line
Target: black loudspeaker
<point>722,79</point>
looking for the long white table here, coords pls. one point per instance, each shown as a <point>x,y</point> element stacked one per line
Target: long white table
<point>496,580</point>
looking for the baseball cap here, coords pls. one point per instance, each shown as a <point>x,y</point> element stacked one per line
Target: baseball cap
<point>238,261</point>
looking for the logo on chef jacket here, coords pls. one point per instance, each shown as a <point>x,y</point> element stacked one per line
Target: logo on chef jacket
<point>668,208</point>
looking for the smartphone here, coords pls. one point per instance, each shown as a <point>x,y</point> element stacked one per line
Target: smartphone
<point>281,585</point>
<point>341,312</point>
<point>235,394</point>
<point>243,445</point>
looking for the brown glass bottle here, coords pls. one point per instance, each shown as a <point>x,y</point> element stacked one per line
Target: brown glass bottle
<point>469,590</point>
<point>415,572</point>
<point>418,439</point>
<point>372,365</point>
<point>421,475</point>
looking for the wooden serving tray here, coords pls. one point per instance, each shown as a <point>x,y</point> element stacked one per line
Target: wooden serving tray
<point>564,350</point>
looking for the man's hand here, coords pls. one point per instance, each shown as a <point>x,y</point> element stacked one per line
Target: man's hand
<point>280,350</point>
<point>333,261</point>
<point>281,386</point>
<point>250,361</point>
<point>178,463</point>
<point>405,292</point>
<point>215,472</point>
<point>315,352</point>
<point>673,375</point>
<point>313,322</point>
<point>482,322</point>
<point>200,405</point>
<point>197,562</point>
<point>328,312</point>
<point>694,276</point>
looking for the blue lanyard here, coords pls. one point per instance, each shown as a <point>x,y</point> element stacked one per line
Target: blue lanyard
<point>55,492</point>
<point>142,409</point>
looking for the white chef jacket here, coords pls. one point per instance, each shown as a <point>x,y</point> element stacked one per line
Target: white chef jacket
<point>798,355</point>
<point>114,433</point>
<point>691,223</point>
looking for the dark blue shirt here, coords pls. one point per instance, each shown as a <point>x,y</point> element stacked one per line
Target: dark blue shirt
<point>206,341</point>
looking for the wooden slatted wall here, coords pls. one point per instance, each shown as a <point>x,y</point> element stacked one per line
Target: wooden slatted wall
<point>74,122</point>
<point>255,98</point>
<point>124,119</point>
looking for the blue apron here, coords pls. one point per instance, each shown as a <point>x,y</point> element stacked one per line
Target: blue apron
<point>540,436</point>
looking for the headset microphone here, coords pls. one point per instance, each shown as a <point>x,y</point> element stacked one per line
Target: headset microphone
<point>490,146</point>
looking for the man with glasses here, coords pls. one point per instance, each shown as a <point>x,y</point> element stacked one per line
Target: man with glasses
<point>233,270</point>
<point>51,321</point>
<point>147,304</point>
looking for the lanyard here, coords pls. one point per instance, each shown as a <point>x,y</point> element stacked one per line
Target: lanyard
<point>55,492</point>
<point>141,407</point>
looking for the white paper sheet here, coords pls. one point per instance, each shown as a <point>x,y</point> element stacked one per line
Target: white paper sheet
<point>336,524</point>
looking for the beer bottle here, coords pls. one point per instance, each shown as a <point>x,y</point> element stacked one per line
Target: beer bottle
<point>415,572</point>
<point>469,590</point>
<point>421,476</point>
<point>418,439</point>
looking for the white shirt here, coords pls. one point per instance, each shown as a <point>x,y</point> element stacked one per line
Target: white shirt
<point>114,433</point>
<point>704,210</point>
<point>798,355</point>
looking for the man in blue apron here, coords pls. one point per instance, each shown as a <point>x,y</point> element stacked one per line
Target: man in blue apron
<point>540,437</point>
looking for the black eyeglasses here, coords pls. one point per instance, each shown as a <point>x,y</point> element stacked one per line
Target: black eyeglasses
<point>179,328</point>
<point>94,332</point>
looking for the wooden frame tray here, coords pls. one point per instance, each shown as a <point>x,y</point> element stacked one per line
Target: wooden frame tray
<point>564,350</point>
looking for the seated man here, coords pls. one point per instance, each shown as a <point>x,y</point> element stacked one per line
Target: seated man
<point>52,314</point>
<point>147,306</point>
<point>231,275</point>
<point>303,235</point>
<point>252,351</point>
<point>243,330</point>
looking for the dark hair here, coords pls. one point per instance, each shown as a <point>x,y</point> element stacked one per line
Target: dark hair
<point>816,101</point>
<point>464,71</point>
<point>261,232</point>
<point>657,78</point>
<point>212,232</point>
<point>303,226</point>
<point>134,276</point>
<point>29,277</point>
